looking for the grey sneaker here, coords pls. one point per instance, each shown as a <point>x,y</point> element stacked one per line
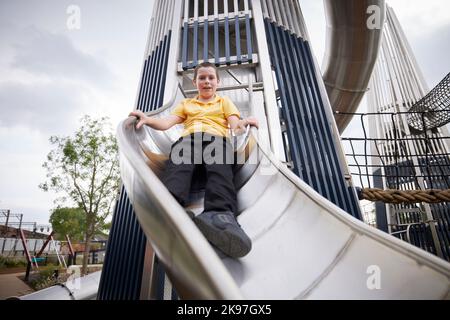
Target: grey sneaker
<point>224,232</point>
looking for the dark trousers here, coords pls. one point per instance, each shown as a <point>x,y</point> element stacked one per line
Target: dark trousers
<point>215,154</point>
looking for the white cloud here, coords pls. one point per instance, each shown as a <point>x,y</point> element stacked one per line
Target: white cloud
<point>44,53</point>
<point>50,76</point>
<point>47,107</point>
<point>21,173</point>
<point>422,17</point>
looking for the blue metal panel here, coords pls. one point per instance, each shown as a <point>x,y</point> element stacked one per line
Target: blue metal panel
<point>184,47</point>
<point>296,141</point>
<point>248,32</point>
<point>205,40</point>
<point>143,78</point>
<point>123,266</point>
<point>117,268</point>
<point>339,192</point>
<point>192,41</point>
<point>309,135</point>
<point>227,41</point>
<point>158,103</point>
<point>216,42</point>
<point>195,46</point>
<point>120,211</point>
<point>238,40</point>
<point>154,78</point>
<point>301,110</point>
<point>147,92</point>
<point>109,261</point>
<point>160,74</point>
<point>350,196</point>
<point>441,214</point>
<point>160,279</point>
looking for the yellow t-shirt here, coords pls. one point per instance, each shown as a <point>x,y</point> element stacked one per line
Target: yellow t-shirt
<point>210,117</point>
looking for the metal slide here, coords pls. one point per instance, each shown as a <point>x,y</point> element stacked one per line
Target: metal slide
<point>304,247</point>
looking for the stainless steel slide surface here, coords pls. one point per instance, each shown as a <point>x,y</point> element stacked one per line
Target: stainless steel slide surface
<point>354,33</point>
<point>76,288</point>
<point>304,247</point>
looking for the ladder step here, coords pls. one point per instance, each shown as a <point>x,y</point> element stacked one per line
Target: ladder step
<point>222,61</point>
<point>256,86</point>
<point>221,18</point>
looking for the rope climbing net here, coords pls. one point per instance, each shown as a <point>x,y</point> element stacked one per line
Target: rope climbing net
<point>429,112</point>
<point>412,167</point>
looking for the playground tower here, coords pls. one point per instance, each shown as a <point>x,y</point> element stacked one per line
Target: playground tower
<point>412,142</point>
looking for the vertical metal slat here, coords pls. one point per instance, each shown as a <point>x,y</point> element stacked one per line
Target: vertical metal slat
<point>305,107</point>
<point>184,47</point>
<point>185,43</point>
<point>160,74</point>
<point>304,111</point>
<point>216,33</point>
<point>227,34</point>
<point>148,81</point>
<point>195,38</point>
<point>108,263</point>
<point>296,155</point>
<point>317,123</point>
<point>248,32</point>
<point>237,32</point>
<point>297,107</point>
<point>205,31</point>
<point>349,198</point>
<point>141,89</point>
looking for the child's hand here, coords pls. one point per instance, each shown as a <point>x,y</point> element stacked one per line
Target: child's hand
<point>242,124</point>
<point>252,121</point>
<point>248,121</point>
<point>141,116</point>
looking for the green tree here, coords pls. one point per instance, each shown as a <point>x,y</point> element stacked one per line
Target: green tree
<point>69,221</point>
<point>84,168</point>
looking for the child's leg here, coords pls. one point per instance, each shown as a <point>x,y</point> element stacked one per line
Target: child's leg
<point>218,222</point>
<point>177,176</point>
<point>177,179</point>
<point>220,192</point>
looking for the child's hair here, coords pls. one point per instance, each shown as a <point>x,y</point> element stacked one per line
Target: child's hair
<point>205,65</point>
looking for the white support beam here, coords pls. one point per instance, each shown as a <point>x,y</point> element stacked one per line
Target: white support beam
<point>271,107</point>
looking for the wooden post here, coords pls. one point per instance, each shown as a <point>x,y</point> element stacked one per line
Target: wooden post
<point>72,253</point>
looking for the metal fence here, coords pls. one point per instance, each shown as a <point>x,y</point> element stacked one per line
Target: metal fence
<point>14,246</point>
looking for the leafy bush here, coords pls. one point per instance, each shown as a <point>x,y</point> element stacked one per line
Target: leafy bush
<point>12,262</point>
<point>46,277</point>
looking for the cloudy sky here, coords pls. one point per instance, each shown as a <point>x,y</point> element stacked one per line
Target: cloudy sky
<point>50,75</point>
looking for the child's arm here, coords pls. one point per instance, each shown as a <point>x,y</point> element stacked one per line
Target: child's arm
<point>156,123</point>
<point>239,124</point>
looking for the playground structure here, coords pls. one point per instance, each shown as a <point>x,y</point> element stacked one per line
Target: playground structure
<point>40,249</point>
<point>406,147</point>
<point>296,196</point>
<point>11,226</point>
<point>35,250</point>
<point>297,130</point>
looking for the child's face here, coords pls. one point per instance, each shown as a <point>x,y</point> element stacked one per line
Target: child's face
<point>206,82</point>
